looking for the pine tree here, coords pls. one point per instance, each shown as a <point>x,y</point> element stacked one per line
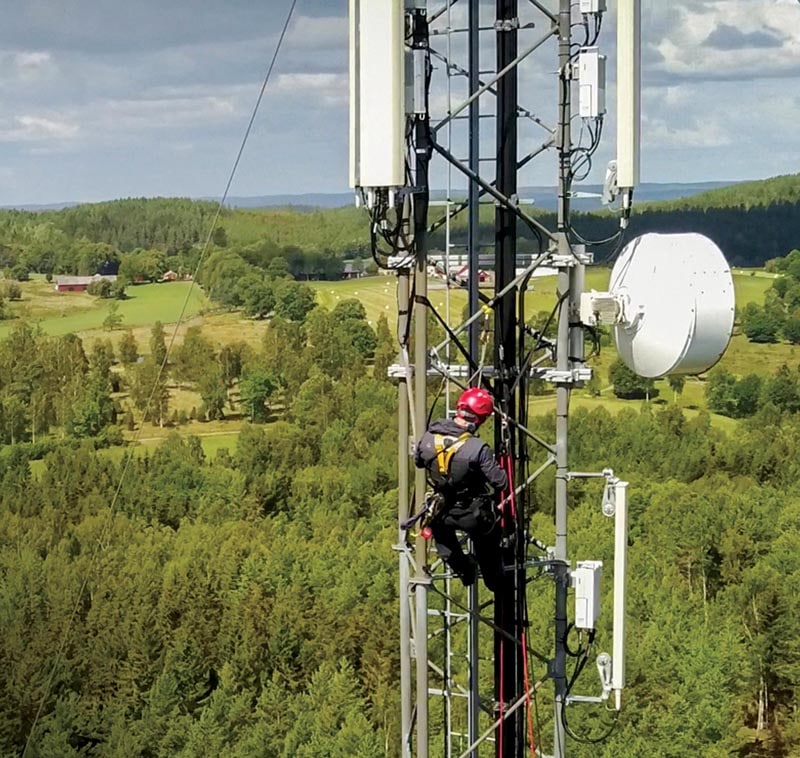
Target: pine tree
<point>128,348</point>
<point>158,345</point>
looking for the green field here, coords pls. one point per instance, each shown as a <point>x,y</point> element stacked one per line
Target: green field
<point>77,312</point>
<point>210,443</point>
<point>378,293</point>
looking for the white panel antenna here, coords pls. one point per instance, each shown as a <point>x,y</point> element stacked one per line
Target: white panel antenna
<point>377,93</point>
<point>620,571</point>
<point>628,92</point>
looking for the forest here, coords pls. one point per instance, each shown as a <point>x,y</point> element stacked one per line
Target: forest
<point>245,605</point>
<point>163,601</point>
<point>752,222</point>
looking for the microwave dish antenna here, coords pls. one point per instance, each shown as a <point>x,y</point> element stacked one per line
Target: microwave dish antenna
<point>671,304</point>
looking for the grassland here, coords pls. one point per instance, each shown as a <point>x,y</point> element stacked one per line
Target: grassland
<point>61,313</point>
<point>77,312</point>
<point>378,293</point>
<point>211,442</point>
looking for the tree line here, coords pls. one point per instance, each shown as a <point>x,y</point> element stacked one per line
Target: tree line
<point>741,397</point>
<point>752,223</point>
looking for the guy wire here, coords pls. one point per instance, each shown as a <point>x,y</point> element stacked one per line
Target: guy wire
<point>129,457</point>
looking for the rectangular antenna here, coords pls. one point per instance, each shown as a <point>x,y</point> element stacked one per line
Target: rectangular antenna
<point>629,85</point>
<point>377,93</point>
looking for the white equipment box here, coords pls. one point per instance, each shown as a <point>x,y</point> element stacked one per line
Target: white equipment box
<point>586,582</point>
<point>592,82</point>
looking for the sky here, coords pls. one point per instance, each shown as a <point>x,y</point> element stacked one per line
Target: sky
<point>101,99</point>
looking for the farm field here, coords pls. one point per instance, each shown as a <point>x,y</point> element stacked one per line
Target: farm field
<point>59,313</point>
<point>211,442</point>
<point>213,436</point>
<point>378,293</point>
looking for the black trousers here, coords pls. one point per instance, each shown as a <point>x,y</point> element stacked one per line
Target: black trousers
<point>476,518</point>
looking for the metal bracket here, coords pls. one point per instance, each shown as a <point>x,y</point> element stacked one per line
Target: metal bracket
<point>609,505</point>
<point>457,370</point>
<point>561,260</point>
<point>452,371</point>
<point>583,699</point>
<point>551,564</point>
<point>506,25</point>
<point>397,371</point>
<point>573,376</point>
<point>574,71</point>
<point>399,263</point>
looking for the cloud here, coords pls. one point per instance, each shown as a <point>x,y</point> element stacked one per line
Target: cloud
<point>114,27</point>
<point>32,60</point>
<point>661,133</point>
<point>152,96</point>
<point>318,33</point>
<point>23,69</point>
<point>723,39</point>
<point>33,128</point>
<point>726,37</point>
<point>329,89</point>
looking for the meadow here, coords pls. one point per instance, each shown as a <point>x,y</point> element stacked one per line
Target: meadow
<point>378,293</point>
<point>57,313</point>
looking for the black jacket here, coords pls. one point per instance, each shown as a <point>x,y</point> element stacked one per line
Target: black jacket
<point>472,467</point>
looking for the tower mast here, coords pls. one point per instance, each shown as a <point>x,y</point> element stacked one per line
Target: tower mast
<point>394,136</point>
<point>507,654</point>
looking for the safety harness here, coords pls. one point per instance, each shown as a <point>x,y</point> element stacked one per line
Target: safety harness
<point>440,477</point>
<point>445,448</point>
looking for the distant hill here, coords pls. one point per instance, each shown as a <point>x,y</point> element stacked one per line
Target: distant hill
<point>38,208</point>
<point>762,193</point>
<point>306,201</point>
<point>751,221</point>
<point>544,197</point>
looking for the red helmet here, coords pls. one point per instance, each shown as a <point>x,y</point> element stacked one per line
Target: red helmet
<point>475,404</point>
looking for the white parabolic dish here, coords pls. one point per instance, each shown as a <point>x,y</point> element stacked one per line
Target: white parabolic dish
<point>679,304</point>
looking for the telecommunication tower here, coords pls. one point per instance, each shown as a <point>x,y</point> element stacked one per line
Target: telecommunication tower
<point>408,138</point>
